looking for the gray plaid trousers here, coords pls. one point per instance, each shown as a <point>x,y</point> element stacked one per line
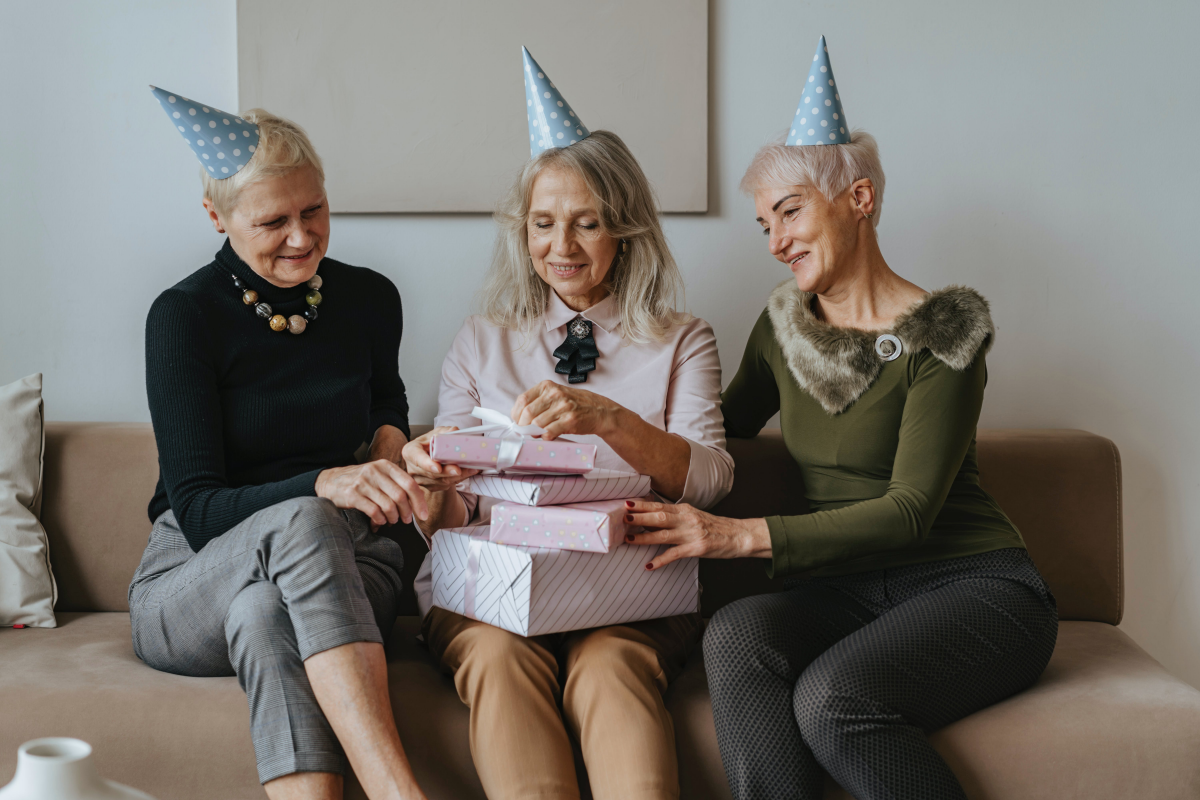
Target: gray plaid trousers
<point>293,580</point>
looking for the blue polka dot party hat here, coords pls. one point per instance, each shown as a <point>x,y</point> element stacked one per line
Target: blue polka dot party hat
<point>819,117</point>
<point>552,121</point>
<point>222,142</point>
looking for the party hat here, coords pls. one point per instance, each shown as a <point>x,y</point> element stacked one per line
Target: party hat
<point>552,122</point>
<point>222,142</point>
<point>819,117</point>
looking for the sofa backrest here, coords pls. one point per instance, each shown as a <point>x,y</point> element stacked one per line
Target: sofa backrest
<point>1061,488</point>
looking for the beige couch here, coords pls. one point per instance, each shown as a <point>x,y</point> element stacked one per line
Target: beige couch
<point>1104,721</point>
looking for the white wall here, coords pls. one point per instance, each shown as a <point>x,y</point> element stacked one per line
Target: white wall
<point>1040,152</point>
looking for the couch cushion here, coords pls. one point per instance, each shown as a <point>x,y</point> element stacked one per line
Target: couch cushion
<point>180,737</point>
<point>99,479</point>
<point>168,735</point>
<point>1104,721</point>
<point>1062,489</point>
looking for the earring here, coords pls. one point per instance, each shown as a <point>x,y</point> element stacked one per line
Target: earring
<point>624,247</point>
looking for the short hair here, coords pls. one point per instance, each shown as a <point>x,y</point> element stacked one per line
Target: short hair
<point>282,147</point>
<point>830,169</point>
<point>644,281</point>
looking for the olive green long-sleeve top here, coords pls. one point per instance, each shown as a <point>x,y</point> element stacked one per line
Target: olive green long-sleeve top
<point>891,478</point>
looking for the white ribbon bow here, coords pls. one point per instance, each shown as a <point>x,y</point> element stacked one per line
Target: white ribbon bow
<point>510,433</point>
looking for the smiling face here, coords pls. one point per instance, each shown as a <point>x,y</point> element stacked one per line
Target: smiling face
<point>816,238</point>
<point>280,226</point>
<point>570,250</point>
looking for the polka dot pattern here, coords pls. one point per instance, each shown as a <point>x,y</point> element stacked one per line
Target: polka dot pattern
<point>548,126</point>
<point>827,119</point>
<point>222,135</point>
<point>846,675</point>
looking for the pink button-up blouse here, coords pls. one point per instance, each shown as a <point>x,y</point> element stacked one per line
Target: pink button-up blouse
<point>674,384</point>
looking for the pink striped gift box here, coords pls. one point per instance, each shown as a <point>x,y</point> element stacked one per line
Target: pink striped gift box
<point>591,527</point>
<point>557,490</point>
<point>481,452</point>
<point>531,591</point>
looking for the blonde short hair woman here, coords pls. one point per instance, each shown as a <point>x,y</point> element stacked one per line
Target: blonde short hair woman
<point>263,560</point>
<point>581,275</point>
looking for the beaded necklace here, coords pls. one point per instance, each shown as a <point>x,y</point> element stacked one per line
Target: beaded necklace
<point>296,323</point>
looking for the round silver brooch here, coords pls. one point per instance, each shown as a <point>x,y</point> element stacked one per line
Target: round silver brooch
<point>581,329</point>
<point>888,347</point>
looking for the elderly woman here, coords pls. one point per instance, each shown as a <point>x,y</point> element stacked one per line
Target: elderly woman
<point>263,560</point>
<point>915,602</point>
<point>580,251</point>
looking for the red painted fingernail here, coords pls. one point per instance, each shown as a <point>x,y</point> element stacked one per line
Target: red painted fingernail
<point>629,517</point>
<point>629,537</point>
<point>629,504</point>
<point>649,566</point>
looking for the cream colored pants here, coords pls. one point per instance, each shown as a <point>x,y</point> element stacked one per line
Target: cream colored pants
<point>611,689</point>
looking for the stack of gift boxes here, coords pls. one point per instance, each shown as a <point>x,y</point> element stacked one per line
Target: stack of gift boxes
<point>554,556</point>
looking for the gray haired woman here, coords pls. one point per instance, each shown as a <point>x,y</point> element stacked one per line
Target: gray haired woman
<point>912,601</point>
<point>581,276</point>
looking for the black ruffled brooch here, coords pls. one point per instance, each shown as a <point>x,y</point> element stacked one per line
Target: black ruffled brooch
<point>577,355</point>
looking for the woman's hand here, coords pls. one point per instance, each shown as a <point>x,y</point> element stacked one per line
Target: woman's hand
<point>558,409</point>
<point>380,489</point>
<point>430,474</point>
<point>695,533</point>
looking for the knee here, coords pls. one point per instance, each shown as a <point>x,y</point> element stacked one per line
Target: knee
<point>307,520</point>
<point>612,657</point>
<point>743,636</point>
<point>824,708</point>
<point>311,510</point>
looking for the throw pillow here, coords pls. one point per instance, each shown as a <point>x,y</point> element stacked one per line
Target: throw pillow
<point>27,590</point>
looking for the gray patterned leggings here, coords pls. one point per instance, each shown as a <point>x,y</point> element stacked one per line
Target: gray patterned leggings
<point>847,674</point>
<point>293,580</point>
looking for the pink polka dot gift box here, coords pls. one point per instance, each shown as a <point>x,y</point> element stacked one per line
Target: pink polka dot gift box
<point>589,527</point>
<point>524,455</point>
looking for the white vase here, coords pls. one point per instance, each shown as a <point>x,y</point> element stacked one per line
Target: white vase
<point>62,769</point>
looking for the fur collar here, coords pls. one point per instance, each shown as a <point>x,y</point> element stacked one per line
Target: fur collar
<point>836,365</point>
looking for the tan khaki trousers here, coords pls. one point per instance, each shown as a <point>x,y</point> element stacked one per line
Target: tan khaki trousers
<point>614,679</point>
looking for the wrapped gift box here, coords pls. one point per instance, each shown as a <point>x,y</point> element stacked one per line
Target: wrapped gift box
<point>531,591</point>
<point>481,452</point>
<point>593,527</point>
<point>556,490</point>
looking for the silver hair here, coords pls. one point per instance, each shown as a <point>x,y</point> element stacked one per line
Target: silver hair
<point>644,280</point>
<point>831,169</point>
<point>282,147</point>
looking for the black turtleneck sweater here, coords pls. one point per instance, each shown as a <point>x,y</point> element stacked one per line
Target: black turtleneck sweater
<point>246,417</point>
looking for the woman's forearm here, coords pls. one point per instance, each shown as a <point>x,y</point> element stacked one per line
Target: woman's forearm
<point>665,457</point>
<point>446,510</point>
